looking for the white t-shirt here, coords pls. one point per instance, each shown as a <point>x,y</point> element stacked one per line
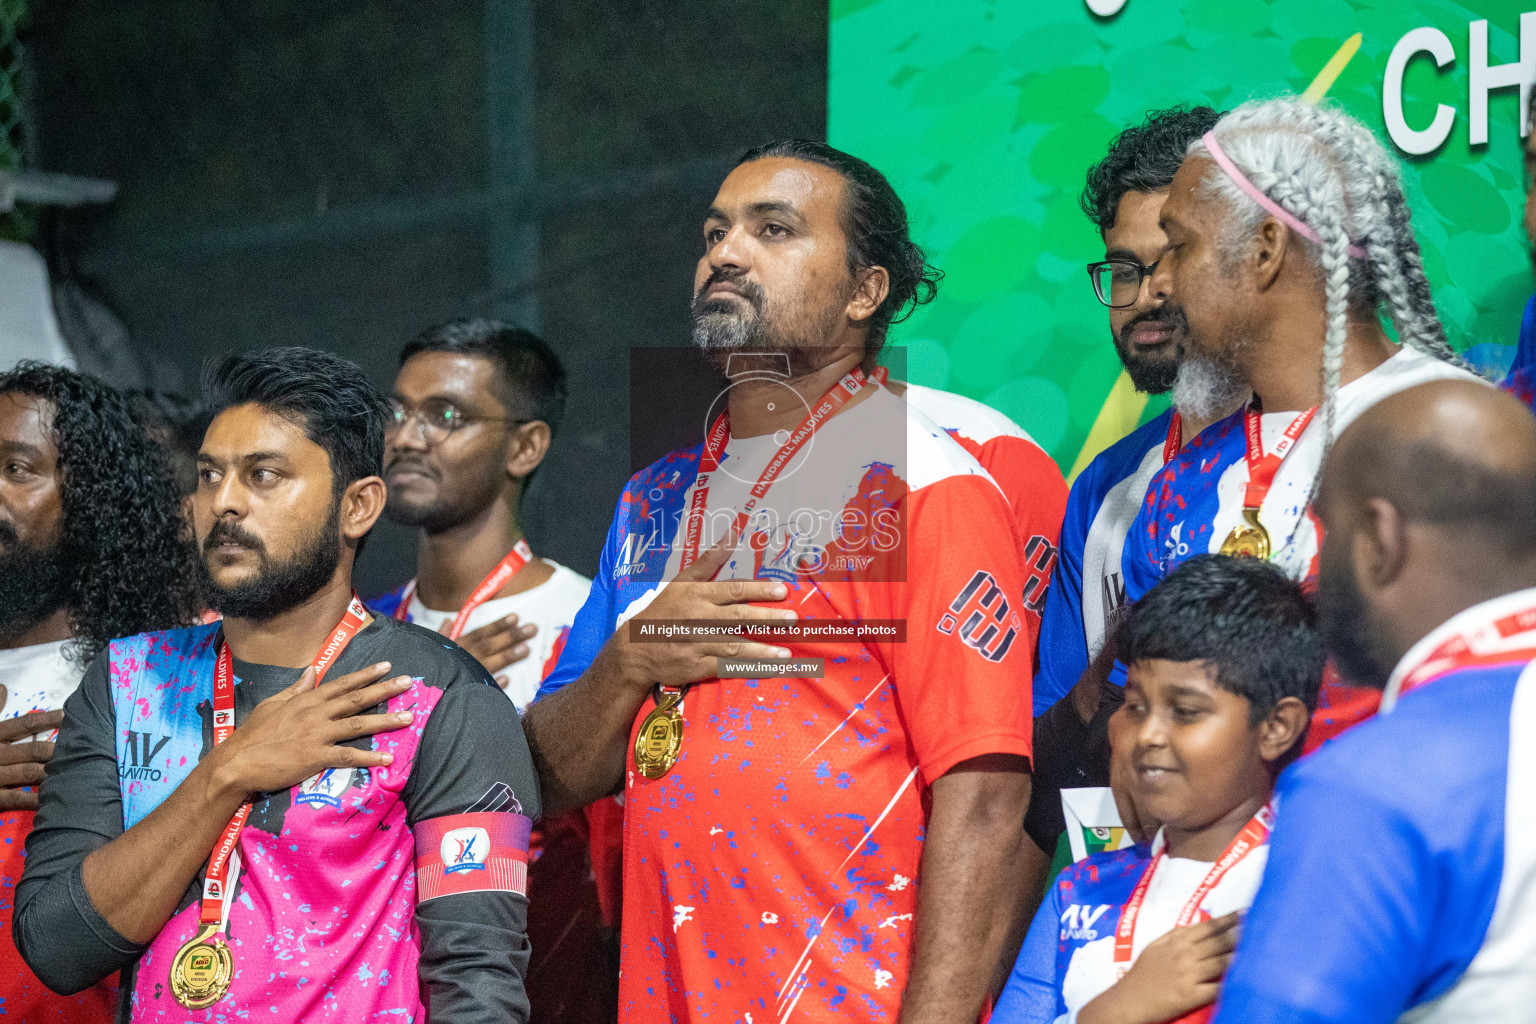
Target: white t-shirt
<point>37,678</point>
<point>1092,970</point>
<point>551,606</point>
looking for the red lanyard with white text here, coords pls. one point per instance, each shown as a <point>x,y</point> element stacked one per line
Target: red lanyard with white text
<point>216,892</point>
<point>1253,835</point>
<point>1262,465</point>
<point>1509,638</point>
<point>714,446</point>
<point>1175,439</point>
<point>520,555</point>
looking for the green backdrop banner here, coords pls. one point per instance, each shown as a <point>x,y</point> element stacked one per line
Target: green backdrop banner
<point>986,114</point>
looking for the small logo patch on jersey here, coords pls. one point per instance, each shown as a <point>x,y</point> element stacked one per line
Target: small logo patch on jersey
<point>464,849</point>
<point>485,851</point>
<point>983,617</point>
<point>325,788</point>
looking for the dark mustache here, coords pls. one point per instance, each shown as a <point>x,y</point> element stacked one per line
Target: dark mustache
<point>227,531</point>
<point>405,462</point>
<point>8,534</point>
<point>1164,314</point>
<point>750,290</point>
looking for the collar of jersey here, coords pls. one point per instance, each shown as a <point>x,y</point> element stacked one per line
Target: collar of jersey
<point>1491,609</point>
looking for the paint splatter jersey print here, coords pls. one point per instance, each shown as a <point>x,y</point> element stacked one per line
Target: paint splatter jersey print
<point>1197,500</point>
<point>772,874</point>
<point>326,921</point>
<point>1068,957</point>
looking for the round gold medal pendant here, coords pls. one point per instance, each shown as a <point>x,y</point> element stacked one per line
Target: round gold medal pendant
<point>202,970</point>
<point>660,737</point>
<point>1250,540</point>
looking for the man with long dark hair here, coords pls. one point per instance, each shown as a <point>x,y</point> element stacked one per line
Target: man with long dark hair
<point>837,835</point>
<point>312,810</point>
<point>90,549</point>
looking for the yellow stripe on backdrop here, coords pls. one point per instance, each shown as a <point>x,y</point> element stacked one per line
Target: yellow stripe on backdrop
<point>1122,410</point>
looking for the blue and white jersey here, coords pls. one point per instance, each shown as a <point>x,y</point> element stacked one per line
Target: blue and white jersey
<point>1088,588</point>
<point>1197,499</point>
<point>1068,958</point>
<point>1402,870</point>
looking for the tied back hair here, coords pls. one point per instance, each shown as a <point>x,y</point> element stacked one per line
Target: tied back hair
<point>1327,168</point>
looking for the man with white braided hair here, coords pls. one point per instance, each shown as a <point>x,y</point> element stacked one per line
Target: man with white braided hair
<point>1288,232</point>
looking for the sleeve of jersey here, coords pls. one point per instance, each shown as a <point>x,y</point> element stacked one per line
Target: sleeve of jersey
<point>1033,992</point>
<point>471,797</point>
<point>1032,483</point>
<point>963,675</point>
<point>594,622</point>
<point>1342,924</point>
<point>57,931</point>
<point>1063,643</point>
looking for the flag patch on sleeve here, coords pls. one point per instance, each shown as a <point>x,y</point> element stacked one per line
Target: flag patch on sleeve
<point>485,851</point>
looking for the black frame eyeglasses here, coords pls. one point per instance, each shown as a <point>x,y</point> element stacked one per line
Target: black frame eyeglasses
<point>1112,280</point>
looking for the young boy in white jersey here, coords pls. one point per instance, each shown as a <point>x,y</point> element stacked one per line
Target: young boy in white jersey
<point>1224,665</point>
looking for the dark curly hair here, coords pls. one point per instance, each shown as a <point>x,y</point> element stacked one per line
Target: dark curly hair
<point>875,221</point>
<point>1143,158</point>
<point>122,515</point>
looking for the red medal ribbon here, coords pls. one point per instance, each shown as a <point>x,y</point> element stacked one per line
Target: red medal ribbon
<point>1175,438</point>
<point>520,555</point>
<point>1253,835</point>
<point>1263,466</point>
<point>216,883</point>
<point>714,446</point>
<point>1507,639</point>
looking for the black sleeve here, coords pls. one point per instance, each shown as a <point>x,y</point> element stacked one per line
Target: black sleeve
<point>57,930</point>
<point>473,757</point>
<point>1068,755</point>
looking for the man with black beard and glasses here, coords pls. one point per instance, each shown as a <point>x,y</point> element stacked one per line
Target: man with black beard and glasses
<point>357,787</point>
<point>90,549</point>
<point>1074,696</point>
<point>753,794</point>
<point>1401,882</point>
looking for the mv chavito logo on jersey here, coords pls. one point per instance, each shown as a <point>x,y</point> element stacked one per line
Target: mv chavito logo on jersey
<point>138,759</point>
<point>982,618</point>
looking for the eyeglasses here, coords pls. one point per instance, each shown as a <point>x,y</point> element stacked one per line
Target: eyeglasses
<point>1117,283</point>
<point>436,419</point>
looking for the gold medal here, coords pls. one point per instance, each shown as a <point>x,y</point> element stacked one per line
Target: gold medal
<point>1250,540</point>
<point>202,970</point>
<point>660,737</point>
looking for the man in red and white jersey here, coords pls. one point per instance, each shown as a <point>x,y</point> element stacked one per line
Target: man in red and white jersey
<point>829,839</point>
<point>1028,477</point>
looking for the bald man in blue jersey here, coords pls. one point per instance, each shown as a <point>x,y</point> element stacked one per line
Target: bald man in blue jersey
<point>1402,870</point>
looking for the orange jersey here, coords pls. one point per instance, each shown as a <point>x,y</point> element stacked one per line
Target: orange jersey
<point>773,872</point>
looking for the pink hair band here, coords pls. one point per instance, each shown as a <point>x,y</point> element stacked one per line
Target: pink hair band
<point>1287,217</point>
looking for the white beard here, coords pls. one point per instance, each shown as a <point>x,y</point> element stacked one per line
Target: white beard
<point>1204,389</point>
